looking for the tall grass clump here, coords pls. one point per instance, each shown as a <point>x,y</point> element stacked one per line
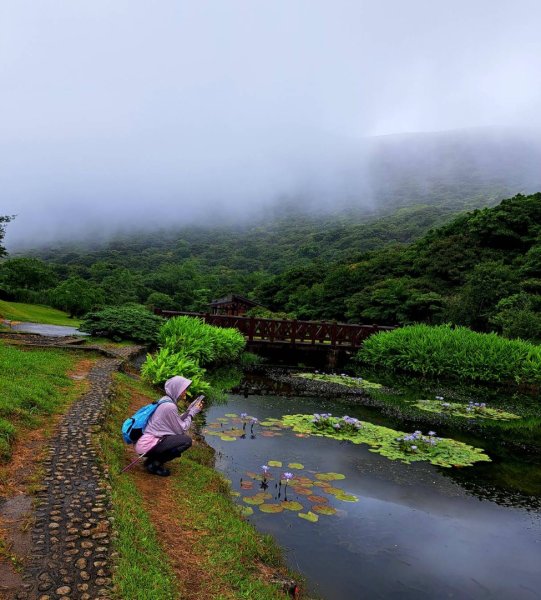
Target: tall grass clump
<point>205,343</point>
<point>186,345</point>
<point>458,352</point>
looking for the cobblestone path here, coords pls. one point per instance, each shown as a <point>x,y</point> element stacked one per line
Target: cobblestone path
<point>71,556</point>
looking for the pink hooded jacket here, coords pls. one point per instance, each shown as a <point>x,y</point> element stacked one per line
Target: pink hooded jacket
<point>166,419</point>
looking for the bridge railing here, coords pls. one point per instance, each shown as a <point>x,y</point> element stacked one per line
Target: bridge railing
<point>289,330</point>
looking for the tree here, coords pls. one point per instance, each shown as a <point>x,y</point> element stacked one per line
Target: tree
<point>27,274</point>
<point>519,316</point>
<point>76,296</point>
<point>4,220</point>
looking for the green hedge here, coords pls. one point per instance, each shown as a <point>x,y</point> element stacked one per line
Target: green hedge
<point>453,352</point>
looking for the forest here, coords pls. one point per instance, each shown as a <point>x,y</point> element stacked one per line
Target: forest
<point>419,264</point>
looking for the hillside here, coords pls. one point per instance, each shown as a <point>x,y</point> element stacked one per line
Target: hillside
<point>483,269</point>
<point>420,264</point>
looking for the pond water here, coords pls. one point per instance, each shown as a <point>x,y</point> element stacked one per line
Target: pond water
<point>417,531</point>
<point>48,330</point>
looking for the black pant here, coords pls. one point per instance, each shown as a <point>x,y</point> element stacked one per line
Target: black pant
<point>172,446</point>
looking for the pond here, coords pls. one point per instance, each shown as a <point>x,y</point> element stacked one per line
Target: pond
<point>48,330</point>
<point>400,530</point>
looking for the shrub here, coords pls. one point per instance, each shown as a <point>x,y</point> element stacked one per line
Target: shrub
<point>165,364</point>
<point>459,352</point>
<point>130,322</point>
<point>205,343</point>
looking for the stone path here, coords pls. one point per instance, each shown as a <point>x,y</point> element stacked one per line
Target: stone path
<point>71,556</point>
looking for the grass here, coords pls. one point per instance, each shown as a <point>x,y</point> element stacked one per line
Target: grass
<point>35,313</point>
<point>230,546</point>
<point>227,548</point>
<point>34,384</point>
<point>143,571</point>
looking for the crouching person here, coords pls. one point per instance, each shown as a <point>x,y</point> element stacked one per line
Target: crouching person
<point>165,435</point>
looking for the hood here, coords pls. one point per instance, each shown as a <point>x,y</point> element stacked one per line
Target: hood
<point>176,385</point>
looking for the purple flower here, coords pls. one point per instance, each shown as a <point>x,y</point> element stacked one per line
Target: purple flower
<point>243,415</point>
<point>439,397</point>
<point>254,420</point>
<point>336,426</point>
<point>414,448</point>
<point>431,433</point>
<point>287,476</point>
<point>265,469</point>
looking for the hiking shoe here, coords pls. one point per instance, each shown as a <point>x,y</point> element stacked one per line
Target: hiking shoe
<point>156,468</point>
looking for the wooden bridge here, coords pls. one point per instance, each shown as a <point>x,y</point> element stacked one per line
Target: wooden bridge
<point>322,334</point>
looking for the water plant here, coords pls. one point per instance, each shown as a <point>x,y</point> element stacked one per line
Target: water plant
<point>287,477</point>
<point>386,441</point>
<point>342,379</point>
<point>472,410</point>
<point>416,442</point>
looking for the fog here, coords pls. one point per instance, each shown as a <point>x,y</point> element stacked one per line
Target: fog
<point>129,113</point>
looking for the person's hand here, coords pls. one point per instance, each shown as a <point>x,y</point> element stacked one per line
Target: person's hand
<point>197,406</point>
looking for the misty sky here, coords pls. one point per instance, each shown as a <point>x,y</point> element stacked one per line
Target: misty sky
<point>134,111</point>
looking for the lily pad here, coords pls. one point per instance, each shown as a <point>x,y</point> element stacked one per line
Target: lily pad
<point>234,494</point>
<point>292,505</point>
<point>271,508</point>
<point>274,463</point>
<point>324,509</point>
<point>295,466</point>
<point>235,432</point>
<point>317,499</point>
<point>334,491</point>
<point>246,511</point>
<point>329,476</point>
<point>257,499</point>
<point>267,423</point>
<point>228,438</point>
<point>322,484</point>
<point>231,415</point>
<point>247,485</point>
<point>302,482</point>
<point>301,491</point>
<point>270,434</point>
<point>346,497</point>
<point>309,516</point>
<point>222,420</point>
